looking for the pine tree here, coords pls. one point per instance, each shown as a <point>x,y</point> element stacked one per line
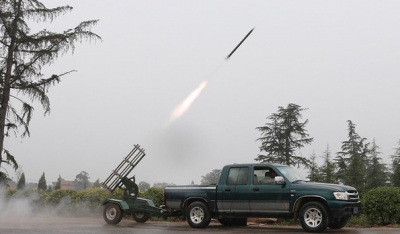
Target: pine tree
<point>328,168</point>
<point>314,173</point>
<point>395,177</point>
<point>42,183</point>
<point>283,135</point>
<point>21,182</point>
<point>352,160</point>
<point>23,54</point>
<point>58,183</point>
<point>377,174</point>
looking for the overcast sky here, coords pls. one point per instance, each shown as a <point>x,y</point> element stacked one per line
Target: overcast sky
<point>339,59</point>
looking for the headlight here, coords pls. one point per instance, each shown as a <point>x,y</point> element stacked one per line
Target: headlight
<point>340,195</point>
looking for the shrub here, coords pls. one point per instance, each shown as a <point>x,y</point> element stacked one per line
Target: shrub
<point>90,199</point>
<point>117,194</point>
<point>154,194</point>
<point>10,193</point>
<point>359,221</point>
<point>382,205</point>
<point>66,195</point>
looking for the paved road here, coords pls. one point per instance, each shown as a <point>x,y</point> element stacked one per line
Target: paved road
<point>59,225</point>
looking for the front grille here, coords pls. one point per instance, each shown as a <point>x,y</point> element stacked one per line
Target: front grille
<point>352,195</point>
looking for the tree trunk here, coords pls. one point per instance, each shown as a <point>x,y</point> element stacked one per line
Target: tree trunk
<point>7,81</point>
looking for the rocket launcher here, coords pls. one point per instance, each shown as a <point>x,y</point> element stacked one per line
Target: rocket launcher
<point>118,177</point>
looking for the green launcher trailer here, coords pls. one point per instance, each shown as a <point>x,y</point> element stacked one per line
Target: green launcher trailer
<point>140,209</point>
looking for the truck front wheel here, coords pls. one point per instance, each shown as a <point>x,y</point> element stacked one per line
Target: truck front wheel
<point>112,213</point>
<point>197,215</point>
<point>314,217</point>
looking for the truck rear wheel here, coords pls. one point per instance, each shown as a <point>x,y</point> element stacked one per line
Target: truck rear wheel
<point>338,223</point>
<point>140,217</point>
<point>197,215</point>
<point>112,213</point>
<point>314,217</point>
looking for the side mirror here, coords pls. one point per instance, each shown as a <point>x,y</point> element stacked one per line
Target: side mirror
<point>279,180</point>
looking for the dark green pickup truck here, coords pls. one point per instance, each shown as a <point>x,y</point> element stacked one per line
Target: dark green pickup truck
<point>264,190</point>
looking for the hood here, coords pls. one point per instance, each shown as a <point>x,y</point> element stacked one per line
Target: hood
<point>325,186</point>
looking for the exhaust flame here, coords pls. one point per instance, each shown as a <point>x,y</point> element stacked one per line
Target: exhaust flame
<point>185,105</point>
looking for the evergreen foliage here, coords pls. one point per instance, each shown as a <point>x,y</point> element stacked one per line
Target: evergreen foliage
<point>352,160</point>
<point>154,194</point>
<point>4,180</point>
<point>283,135</point>
<point>42,185</point>
<point>21,182</point>
<point>395,177</point>
<point>377,174</point>
<point>314,173</point>
<point>23,54</point>
<point>382,205</point>
<point>328,168</point>
<point>58,183</point>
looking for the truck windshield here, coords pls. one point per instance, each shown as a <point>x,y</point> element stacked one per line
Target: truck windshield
<point>291,174</point>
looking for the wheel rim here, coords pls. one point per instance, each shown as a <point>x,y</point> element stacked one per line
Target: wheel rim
<point>139,215</point>
<point>197,215</point>
<point>111,213</point>
<point>313,217</point>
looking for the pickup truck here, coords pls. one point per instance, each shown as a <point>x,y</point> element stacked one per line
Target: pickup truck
<point>264,191</point>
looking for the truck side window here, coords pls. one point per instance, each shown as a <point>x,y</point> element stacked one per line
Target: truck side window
<point>263,175</point>
<point>238,176</point>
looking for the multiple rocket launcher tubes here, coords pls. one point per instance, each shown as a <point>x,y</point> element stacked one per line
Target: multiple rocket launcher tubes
<point>187,102</point>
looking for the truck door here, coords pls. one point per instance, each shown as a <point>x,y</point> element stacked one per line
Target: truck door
<point>234,194</point>
<point>266,196</point>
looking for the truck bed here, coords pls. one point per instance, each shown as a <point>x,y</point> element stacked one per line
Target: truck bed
<point>176,196</point>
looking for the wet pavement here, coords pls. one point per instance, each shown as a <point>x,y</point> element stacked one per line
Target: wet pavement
<point>59,225</point>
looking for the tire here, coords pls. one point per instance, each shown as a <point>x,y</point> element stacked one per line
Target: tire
<point>197,215</point>
<point>338,223</point>
<point>314,217</point>
<point>233,221</point>
<point>140,217</point>
<point>225,221</point>
<point>240,222</point>
<point>112,213</point>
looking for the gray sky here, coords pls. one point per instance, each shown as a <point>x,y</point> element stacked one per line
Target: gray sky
<point>340,59</point>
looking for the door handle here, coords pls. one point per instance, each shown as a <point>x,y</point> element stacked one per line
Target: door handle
<point>228,189</point>
<point>256,189</point>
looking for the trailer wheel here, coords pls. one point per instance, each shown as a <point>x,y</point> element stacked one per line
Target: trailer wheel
<point>140,216</point>
<point>197,215</point>
<point>314,217</point>
<point>112,213</point>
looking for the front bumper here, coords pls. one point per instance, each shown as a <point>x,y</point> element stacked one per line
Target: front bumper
<point>341,209</point>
